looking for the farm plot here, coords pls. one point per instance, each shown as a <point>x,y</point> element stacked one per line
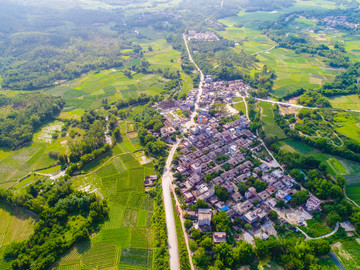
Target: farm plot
<point>16,224</point>
<point>271,128</point>
<point>353,192</point>
<point>348,124</point>
<point>74,255</point>
<point>102,255</point>
<point>121,236</point>
<point>348,251</point>
<point>349,102</point>
<point>136,256</point>
<point>141,238</point>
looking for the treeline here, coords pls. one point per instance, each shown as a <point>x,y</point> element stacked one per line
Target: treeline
<point>287,252</point>
<point>149,122</point>
<point>61,211</point>
<point>26,113</point>
<point>36,61</point>
<point>344,83</point>
<point>313,98</point>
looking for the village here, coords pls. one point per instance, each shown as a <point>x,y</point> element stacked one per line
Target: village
<point>332,22</point>
<point>219,153</point>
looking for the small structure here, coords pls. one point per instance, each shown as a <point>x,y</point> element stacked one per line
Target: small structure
<point>204,219</point>
<point>149,180</point>
<point>219,237</point>
<point>313,203</point>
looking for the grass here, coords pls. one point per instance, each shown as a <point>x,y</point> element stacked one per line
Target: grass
<point>348,253</point>
<point>271,128</point>
<point>16,224</point>
<point>240,106</point>
<point>316,228</point>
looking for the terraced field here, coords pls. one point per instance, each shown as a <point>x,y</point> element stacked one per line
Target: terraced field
<point>125,239</point>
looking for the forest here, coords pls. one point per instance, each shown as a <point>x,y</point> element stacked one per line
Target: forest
<point>65,216</point>
<point>24,114</point>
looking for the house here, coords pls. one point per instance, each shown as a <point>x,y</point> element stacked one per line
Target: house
<point>202,120</point>
<point>313,203</point>
<point>242,208</point>
<point>149,180</point>
<point>229,187</point>
<point>232,150</point>
<point>277,173</point>
<point>196,168</point>
<point>237,197</point>
<point>219,237</point>
<point>251,192</point>
<point>164,132</point>
<point>263,195</point>
<point>188,197</point>
<point>256,215</point>
<point>204,219</point>
<point>281,194</point>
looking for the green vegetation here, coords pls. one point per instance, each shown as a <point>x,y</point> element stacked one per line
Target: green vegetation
<point>348,252</point>
<point>315,228</point>
<point>271,128</point>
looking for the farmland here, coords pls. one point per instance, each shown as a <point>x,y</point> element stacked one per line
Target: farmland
<point>126,238</point>
<point>350,102</point>
<point>348,252</point>
<point>353,192</point>
<point>271,128</point>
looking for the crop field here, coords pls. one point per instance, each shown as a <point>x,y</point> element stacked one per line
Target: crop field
<point>126,238</point>
<point>349,102</point>
<point>353,192</point>
<point>87,91</point>
<point>16,224</point>
<point>271,128</point>
<point>348,251</point>
<point>348,124</point>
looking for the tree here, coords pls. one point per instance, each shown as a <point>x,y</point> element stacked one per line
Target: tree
<point>221,193</point>
<point>355,218</point>
<point>332,218</point>
<point>243,253</point>
<point>188,224</point>
<point>260,185</point>
<point>221,222</point>
<point>280,203</point>
<point>196,234</point>
<point>300,198</point>
<point>248,226</point>
<point>223,252</point>
<point>340,180</point>
<point>201,259</point>
<point>207,244</point>
<point>273,215</point>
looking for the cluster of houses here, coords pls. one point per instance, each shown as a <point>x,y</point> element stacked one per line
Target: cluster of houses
<point>207,36</point>
<point>334,21</point>
<point>212,155</point>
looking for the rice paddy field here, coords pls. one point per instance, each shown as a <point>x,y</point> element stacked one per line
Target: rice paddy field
<point>125,240</point>
<point>348,124</point>
<point>270,127</point>
<point>349,102</point>
<point>353,192</point>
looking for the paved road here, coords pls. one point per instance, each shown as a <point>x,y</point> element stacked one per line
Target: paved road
<point>300,106</point>
<point>167,187</point>
<point>169,212</point>
<point>336,261</point>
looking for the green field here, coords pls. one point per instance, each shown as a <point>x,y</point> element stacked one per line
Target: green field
<point>240,106</point>
<point>349,253</point>
<point>348,124</point>
<point>353,192</point>
<point>350,102</point>
<point>316,228</point>
<point>271,128</point>
<point>335,165</point>
<point>125,241</point>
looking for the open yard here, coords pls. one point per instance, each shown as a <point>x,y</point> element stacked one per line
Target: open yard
<point>271,128</point>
